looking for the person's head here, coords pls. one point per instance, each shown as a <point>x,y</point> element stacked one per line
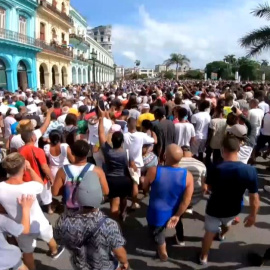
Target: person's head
<point>204,105</point>
<point>178,100</point>
<point>55,137</point>
<point>146,125</point>
<point>117,139</point>
<point>56,104</point>
<point>145,108</point>
<point>253,104</point>
<point>124,115</point>
<point>173,154</point>
<point>14,164</point>
<point>186,151</point>
<point>80,150</point>
<point>260,95</point>
<point>71,119</point>
<point>131,123</point>
<point>169,96</point>
<point>24,125</point>
<point>182,114</point>
<point>53,116</point>
<point>83,109</point>
<point>239,131</point>
<point>65,110</point>
<point>230,147</point>
<point>232,119</point>
<point>18,117</point>
<point>28,137</point>
<point>160,113</point>
<point>229,100</point>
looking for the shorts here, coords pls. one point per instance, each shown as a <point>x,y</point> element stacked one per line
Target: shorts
<point>45,197</point>
<point>212,224</point>
<point>198,146</point>
<point>27,242</point>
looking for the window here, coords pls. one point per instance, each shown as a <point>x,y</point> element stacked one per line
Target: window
<point>110,47</point>
<point>95,39</point>
<point>2,18</point>
<point>42,32</point>
<point>101,39</point>
<point>63,8</point>
<point>22,25</point>
<point>109,38</point>
<point>102,33</point>
<point>63,38</point>
<point>95,33</point>
<point>54,36</point>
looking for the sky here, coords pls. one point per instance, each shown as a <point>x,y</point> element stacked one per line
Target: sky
<point>150,30</point>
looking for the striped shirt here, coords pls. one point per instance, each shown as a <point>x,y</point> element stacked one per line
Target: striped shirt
<point>198,171</point>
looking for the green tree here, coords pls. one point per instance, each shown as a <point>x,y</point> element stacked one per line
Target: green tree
<point>230,59</point>
<point>178,60</point>
<point>248,69</point>
<point>137,63</point>
<point>194,74</point>
<point>264,63</point>
<point>219,67</point>
<point>168,74</point>
<point>143,76</point>
<point>258,40</point>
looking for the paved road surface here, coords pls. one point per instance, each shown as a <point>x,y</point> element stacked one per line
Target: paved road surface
<point>228,255</point>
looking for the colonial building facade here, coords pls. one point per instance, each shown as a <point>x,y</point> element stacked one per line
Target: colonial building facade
<point>18,46</point>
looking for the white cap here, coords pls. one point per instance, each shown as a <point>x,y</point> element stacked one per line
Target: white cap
<point>14,111</point>
<point>82,98</point>
<point>146,106</point>
<point>32,108</point>
<point>30,99</point>
<point>37,101</point>
<point>124,95</point>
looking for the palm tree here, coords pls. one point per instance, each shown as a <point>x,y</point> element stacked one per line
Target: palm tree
<point>259,39</point>
<point>230,59</point>
<point>137,63</point>
<point>177,59</point>
<point>264,63</point>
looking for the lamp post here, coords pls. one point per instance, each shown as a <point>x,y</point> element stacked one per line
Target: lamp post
<point>94,58</point>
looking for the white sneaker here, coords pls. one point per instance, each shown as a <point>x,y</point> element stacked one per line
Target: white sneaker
<point>179,243</point>
<point>267,188</point>
<point>189,211</point>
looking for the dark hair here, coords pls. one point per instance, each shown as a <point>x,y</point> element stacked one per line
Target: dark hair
<point>182,113</point>
<point>83,109</point>
<point>232,119</point>
<point>18,117</point>
<point>158,103</point>
<point>53,116</point>
<point>169,96</point>
<point>147,124</point>
<point>160,112</point>
<point>231,144</point>
<point>204,105</point>
<point>55,137</point>
<point>71,119</point>
<point>177,100</point>
<point>27,135</point>
<point>117,139</point>
<point>56,104</point>
<point>80,149</point>
<point>48,104</point>
<point>132,122</point>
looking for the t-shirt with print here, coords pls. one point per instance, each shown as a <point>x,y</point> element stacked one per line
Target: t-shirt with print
<point>228,182</point>
<point>98,253</point>
<point>35,156</point>
<point>9,195</point>
<point>10,255</point>
<point>201,121</point>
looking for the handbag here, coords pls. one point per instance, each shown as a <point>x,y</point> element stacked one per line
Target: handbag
<point>134,175</point>
<point>42,174</point>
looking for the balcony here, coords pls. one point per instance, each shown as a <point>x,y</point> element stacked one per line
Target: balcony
<point>56,48</point>
<point>79,38</point>
<point>17,37</point>
<point>63,15</point>
<point>80,58</point>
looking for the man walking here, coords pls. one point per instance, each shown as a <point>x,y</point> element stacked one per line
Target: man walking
<point>169,198</point>
<point>228,182</point>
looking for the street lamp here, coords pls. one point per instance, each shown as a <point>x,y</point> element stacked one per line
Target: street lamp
<point>114,67</point>
<point>94,58</point>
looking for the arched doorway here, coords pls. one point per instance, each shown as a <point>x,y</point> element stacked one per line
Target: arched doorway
<point>55,75</point>
<point>43,76</point>
<point>79,75</point>
<point>74,75</point>
<point>22,75</point>
<point>84,76</point>
<point>64,76</point>
<point>3,75</point>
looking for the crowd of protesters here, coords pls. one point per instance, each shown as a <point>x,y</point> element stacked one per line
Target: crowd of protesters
<point>175,141</point>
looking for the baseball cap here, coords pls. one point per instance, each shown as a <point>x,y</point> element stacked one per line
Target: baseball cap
<point>240,131</point>
<point>125,112</point>
<point>32,108</point>
<point>146,106</point>
<point>14,111</point>
<point>89,192</point>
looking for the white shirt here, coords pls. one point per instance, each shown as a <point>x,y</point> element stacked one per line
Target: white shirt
<point>61,119</point>
<point>187,101</point>
<point>183,133</point>
<point>255,117</point>
<point>266,125</point>
<point>264,106</point>
<point>10,255</point>
<point>9,195</point>
<point>8,121</point>
<point>17,142</point>
<point>134,143</point>
<point>201,121</point>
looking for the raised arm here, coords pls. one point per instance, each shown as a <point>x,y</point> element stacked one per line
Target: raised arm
<point>101,132</point>
<point>47,121</point>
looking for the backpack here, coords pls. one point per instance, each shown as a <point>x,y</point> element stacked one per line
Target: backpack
<point>72,185</point>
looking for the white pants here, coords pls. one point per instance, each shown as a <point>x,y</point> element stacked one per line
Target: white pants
<point>45,197</point>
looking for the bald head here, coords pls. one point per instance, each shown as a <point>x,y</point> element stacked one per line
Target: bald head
<point>174,154</point>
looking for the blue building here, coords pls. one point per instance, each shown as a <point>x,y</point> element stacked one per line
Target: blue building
<point>18,46</point>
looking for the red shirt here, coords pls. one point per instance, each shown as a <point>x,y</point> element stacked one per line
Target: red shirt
<point>27,152</point>
<point>57,111</point>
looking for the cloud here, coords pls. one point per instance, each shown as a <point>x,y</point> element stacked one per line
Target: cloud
<point>203,37</point>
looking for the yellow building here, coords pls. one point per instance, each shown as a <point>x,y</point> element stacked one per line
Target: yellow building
<point>52,28</point>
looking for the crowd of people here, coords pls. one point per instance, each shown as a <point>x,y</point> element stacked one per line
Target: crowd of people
<point>174,141</point>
